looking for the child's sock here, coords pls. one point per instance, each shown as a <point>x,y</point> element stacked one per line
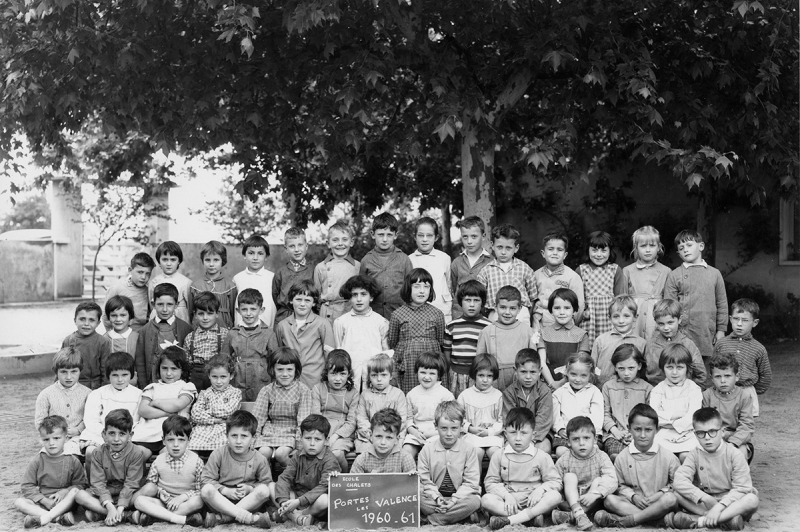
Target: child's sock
<point>521,517</point>
<point>577,509</point>
<point>178,519</point>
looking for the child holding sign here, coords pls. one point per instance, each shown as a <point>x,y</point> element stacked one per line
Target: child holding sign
<point>449,471</point>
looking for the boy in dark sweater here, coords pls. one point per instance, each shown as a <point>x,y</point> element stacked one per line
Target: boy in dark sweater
<point>94,349</point>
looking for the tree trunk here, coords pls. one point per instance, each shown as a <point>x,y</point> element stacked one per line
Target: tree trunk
<point>447,244</point>
<point>94,267</point>
<point>477,173</point>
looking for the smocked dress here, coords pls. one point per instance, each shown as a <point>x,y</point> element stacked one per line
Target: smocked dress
<point>645,284</point>
<point>209,413</point>
<point>413,331</point>
<point>422,405</point>
<point>483,409</point>
<point>675,405</point>
<point>339,407</point>
<point>598,290</point>
<point>279,411</point>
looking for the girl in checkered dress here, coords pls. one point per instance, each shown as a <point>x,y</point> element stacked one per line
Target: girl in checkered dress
<point>602,280</point>
<point>214,405</point>
<point>281,406</point>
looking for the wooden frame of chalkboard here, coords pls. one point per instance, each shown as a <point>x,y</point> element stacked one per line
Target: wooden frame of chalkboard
<point>370,501</point>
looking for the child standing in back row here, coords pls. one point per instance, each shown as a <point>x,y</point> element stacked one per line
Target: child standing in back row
<point>644,279</point>
<point>214,257</point>
<point>169,256</point>
<point>135,288</point>
<point>331,274</point>
<point>436,262</point>
<point>471,260</point>
<point>387,264</point>
<point>555,274</point>
<point>255,251</point>
<point>602,280</point>
<point>296,270</point>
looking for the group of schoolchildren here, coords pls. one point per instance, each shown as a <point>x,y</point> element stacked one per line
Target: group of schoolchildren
<point>416,363</point>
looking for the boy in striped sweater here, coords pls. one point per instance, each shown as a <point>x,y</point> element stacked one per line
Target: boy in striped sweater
<point>461,335</point>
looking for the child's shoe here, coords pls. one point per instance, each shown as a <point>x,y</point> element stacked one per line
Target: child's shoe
<point>301,519</point>
<point>32,521</point>
<point>93,517</point>
<point>195,520</point>
<point>66,519</point>
<point>262,520</point>
<point>277,517</point>
<point>737,523</point>
<point>582,522</point>
<point>538,521</point>
<point>609,520</point>
<point>497,522</point>
<point>683,521</point>
<point>561,517</point>
<point>212,519</point>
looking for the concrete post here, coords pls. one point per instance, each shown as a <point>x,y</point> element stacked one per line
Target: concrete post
<point>159,225</point>
<point>67,228</point>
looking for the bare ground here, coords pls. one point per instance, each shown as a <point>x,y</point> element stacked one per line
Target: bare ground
<point>775,469</point>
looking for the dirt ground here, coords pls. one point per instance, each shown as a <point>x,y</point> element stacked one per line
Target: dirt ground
<point>775,468</point>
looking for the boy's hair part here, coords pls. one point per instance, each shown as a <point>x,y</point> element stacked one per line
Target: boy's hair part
<point>565,294</point>
<point>336,361</point>
<point>676,353</point>
<point>705,415</point>
<point>144,260</point>
<point>255,241</point>
<point>165,289</point>
<point>451,410</point>
<point>643,410</point>
<point>484,361</point>
<point>624,352</point>
<point>177,356</point>
<point>379,363</point>
<point>580,423</point>
<point>221,361</point>
<point>620,302</point>
<point>343,227</point>
<point>51,423</point>
<point>206,301</point>
<point>119,419</point>
<point>250,296</point>
<point>315,422</point>
<point>556,235</point>
<point>518,417</point>
<point>177,425</point>
<point>241,419</point>
<point>427,220</point>
<point>646,234</point>
<point>67,358</point>
<point>667,308</point>
<point>472,221</point>
<point>169,248</point>
<point>432,360</point>
<point>285,356</point>
<point>387,418</point>
<point>688,235</point>
<point>509,293</point>
<point>385,220</point>
<point>723,361</point>
<point>600,240</point>
<point>118,302</point>
<point>89,306</point>
<point>304,287</point>
<point>506,231</point>
<point>214,247</point>
<point>120,361</point>
<point>746,305</point>
<point>527,355</point>
<point>471,288</point>
<point>293,232</point>
<point>363,282</point>
<point>417,275</point>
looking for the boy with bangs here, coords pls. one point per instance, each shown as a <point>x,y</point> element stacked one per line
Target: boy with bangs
<point>237,479</point>
<point>622,312</point>
<point>383,454</point>
<point>733,403</point>
<point>255,250</point>
<point>700,290</point>
<point>331,274</point>
<point>667,314</point>
<point>172,492</point>
<point>251,345</point>
<point>522,483</point>
<point>471,260</point>
<point>52,479</point>
<point>387,264</point>
<point>93,348</point>
<point>530,392</point>
<point>449,471</point>
<point>115,470</point>
<point>169,256</point>
<point>66,397</point>
<point>134,287</point>
<point>295,270</point>
<point>553,275</point>
<point>205,342</point>
<point>461,335</point>
<point>214,257</point>
<point>756,373</point>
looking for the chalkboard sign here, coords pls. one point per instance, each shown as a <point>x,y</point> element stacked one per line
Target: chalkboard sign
<point>373,500</point>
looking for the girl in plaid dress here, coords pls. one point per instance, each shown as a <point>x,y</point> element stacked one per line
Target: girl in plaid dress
<point>214,405</point>
<point>281,406</point>
<point>602,280</point>
<point>415,328</point>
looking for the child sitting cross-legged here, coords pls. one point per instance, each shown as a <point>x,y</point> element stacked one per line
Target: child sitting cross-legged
<point>115,470</point>
<point>172,492</point>
<point>587,472</point>
<point>383,455</point>
<point>714,481</point>
<point>52,479</point>
<point>302,489</point>
<point>449,471</point>
<point>237,479</point>
<point>733,402</point>
<point>522,483</point>
<point>645,471</point>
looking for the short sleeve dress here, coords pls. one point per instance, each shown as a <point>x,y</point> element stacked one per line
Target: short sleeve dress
<point>280,410</point>
<point>209,432</point>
